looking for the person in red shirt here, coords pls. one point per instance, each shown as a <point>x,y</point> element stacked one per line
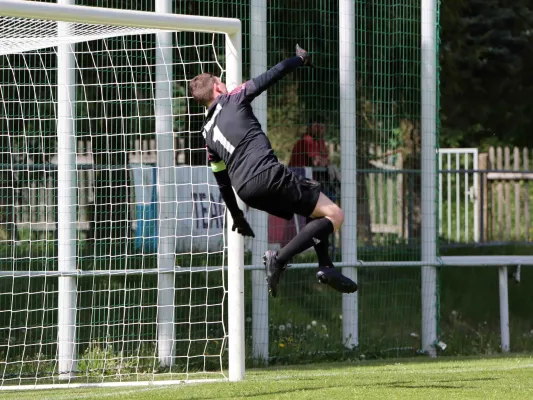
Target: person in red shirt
<point>311,150</point>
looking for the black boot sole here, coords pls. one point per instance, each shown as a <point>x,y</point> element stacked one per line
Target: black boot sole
<point>334,279</point>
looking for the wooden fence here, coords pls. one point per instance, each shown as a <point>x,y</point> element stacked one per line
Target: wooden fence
<point>385,192</point>
<point>505,193</point>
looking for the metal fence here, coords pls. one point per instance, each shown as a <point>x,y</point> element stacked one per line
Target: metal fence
<point>480,197</point>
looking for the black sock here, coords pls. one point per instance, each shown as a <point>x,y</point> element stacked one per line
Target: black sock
<point>317,229</point>
<point>322,250</point>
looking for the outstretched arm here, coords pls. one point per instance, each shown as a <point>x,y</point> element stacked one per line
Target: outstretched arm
<point>259,84</point>
<point>254,87</point>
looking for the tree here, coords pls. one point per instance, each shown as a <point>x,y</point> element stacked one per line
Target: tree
<point>486,84</point>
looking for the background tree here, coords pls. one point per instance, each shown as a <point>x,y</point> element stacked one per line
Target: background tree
<point>486,61</point>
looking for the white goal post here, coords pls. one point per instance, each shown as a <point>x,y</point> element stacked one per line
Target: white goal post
<point>68,27</point>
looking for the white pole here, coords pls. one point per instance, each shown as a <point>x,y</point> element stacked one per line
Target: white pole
<point>235,241</point>
<point>66,205</point>
<point>259,219</point>
<point>116,17</point>
<point>347,82</point>
<point>504,309</point>
<point>166,191</point>
<point>429,175</point>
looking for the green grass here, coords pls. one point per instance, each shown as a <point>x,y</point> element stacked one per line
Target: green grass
<point>467,378</point>
<point>305,321</point>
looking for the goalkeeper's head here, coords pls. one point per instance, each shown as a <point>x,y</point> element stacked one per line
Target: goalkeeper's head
<point>206,87</point>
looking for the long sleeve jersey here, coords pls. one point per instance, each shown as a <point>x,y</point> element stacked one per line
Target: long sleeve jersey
<point>233,134</point>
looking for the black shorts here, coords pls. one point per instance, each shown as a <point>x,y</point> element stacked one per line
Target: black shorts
<point>280,192</point>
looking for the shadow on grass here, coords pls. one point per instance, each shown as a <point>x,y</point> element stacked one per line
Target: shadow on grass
<point>442,360</point>
<point>438,384</point>
<point>300,390</point>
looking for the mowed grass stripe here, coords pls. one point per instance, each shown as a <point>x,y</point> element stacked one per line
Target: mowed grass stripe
<point>446,378</point>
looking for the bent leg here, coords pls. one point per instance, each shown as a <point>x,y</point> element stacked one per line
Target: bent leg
<point>328,209</point>
<point>326,218</point>
<point>327,274</point>
<point>314,232</point>
<point>322,250</point>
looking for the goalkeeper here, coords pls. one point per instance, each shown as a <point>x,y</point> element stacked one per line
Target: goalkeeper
<point>241,155</point>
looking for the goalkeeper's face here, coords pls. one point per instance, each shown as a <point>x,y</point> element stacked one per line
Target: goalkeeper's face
<point>219,87</point>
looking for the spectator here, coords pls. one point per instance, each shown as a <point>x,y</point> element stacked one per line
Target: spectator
<point>311,151</point>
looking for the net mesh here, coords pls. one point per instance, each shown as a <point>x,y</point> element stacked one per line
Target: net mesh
<point>121,315</point>
<point>305,323</point>
<point>117,315</point>
<point>20,34</point>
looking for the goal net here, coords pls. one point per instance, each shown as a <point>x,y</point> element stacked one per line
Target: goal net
<point>111,226</point>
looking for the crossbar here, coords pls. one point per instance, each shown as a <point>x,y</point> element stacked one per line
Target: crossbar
<point>115,17</point>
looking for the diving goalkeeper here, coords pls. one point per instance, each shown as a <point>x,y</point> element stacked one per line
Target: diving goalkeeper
<point>241,156</point>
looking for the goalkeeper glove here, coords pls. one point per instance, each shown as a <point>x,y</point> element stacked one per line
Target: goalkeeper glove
<point>241,225</point>
<point>304,55</point>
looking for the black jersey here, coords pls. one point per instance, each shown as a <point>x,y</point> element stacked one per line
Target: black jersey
<point>234,135</point>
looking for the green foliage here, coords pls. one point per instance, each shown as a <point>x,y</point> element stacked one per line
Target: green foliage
<point>311,342</point>
<point>486,58</point>
<point>285,108</point>
<point>102,359</point>
<point>179,109</point>
<point>27,366</point>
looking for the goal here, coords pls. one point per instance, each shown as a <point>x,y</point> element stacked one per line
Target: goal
<point>112,236</point>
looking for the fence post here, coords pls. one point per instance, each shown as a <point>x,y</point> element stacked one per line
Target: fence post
<point>400,197</point>
<point>517,219</point>
<point>482,178</point>
<point>499,188</point>
<point>348,165</point>
<point>504,308</point>
<point>429,175</point>
<point>526,195</point>
<point>492,165</point>
<point>259,219</point>
<point>507,193</point>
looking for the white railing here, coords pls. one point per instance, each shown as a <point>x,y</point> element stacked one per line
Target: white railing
<point>459,206</point>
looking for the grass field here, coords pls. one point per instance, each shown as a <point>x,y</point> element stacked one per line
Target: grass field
<point>468,378</point>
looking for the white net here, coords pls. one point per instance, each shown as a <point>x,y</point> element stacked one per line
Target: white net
<point>20,34</point>
<point>128,286</point>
